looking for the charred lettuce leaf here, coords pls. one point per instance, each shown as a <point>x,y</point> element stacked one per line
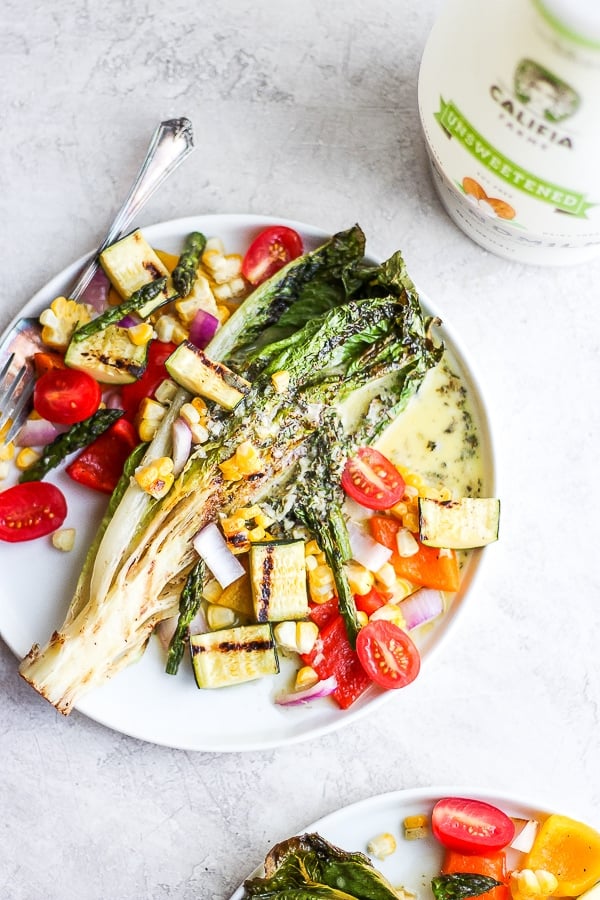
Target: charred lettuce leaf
<point>307,867</point>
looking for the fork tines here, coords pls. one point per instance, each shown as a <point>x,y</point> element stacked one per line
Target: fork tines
<point>13,403</point>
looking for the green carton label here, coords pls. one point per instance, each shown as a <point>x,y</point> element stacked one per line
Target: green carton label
<point>457,126</point>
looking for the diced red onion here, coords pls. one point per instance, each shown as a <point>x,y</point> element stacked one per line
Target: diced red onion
<point>356,511</point>
<point>368,552</point>
<point>113,400</point>
<point>202,329</point>
<point>320,689</point>
<point>165,630</point>
<point>38,433</point>
<point>129,322</point>
<point>182,444</point>
<point>421,607</point>
<point>96,293</point>
<point>210,544</point>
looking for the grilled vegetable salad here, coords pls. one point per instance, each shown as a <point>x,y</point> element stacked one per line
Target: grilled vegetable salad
<point>250,514</point>
<point>485,854</point>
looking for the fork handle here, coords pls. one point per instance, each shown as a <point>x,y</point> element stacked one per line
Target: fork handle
<point>171,143</point>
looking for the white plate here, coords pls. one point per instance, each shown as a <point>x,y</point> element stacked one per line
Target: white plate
<point>142,701</point>
<point>414,863</point>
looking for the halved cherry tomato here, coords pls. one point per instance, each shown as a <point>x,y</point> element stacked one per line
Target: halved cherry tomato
<point>154,373</point>
<point>66,396</point>
<point>371,479</point>
<point>269,252</point>
<point>493,865</point>
<point>387,654</point>
<point>100,465</point>
<point>471,826</point>
<point>31,510</point>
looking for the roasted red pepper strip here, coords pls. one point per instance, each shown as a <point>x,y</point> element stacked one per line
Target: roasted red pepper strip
<point>154,373</point>
<point>100,465</point>
<point>333,655</point>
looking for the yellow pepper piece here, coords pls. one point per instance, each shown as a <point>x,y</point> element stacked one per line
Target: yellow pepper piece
<point>570,850</point>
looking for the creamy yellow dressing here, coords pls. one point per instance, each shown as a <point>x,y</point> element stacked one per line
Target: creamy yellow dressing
<point>436,436</point>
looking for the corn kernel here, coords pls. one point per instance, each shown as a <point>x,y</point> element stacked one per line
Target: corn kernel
<point>230,469</point>
<point>406,543</point>
<point>27,457</point>
<point>321,576</point>
<point>199,404</point>
<point>4,469</point>
<point>147,429</point>
<point>529,885</point>
<point>222,268</point>
<point>312,548</point>
<point>411,489</point>
<point>306,636</point>
<point>7,451</point>
<point>189,414</point>
<point>285,635</point>
<point>220,617</point>
<point>256,534</point>
<point>305,677</point>
<point>281,381</point>
<point>381,846</point>
<point>263,520</point>
<point>214,243</point>
<point>311,563</point>
<point>166,390</point>
<point>386,576</point>
<point>399,510</point>
<point>64,539</point>
<point>360,579</point>
<point>362,617</point>
<point>212,590</point>
<point>232,524</point>
<point>223,313</point>
<point>415,828</point>
<point>390,612</point>
<point>167,329</point>
<point>157,477</point>
<point>141,334</point>
<point>61,319</point>
<point>199,433</point>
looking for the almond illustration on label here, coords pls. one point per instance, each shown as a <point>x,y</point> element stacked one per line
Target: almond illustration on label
<point>494,205</point>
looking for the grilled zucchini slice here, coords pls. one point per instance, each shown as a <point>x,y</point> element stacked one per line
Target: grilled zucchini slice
<point>193,370</point>
<point>459,524</point>
<point>233,655</point>
<point>278,580</point>
<point>110,356</point>
<point>131,263</point>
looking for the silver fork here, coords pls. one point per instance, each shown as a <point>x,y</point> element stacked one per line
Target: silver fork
<point>171,143</point>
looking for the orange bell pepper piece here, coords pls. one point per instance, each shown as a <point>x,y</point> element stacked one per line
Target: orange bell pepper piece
<point>429,567</point>
<point>46,360</point>
<point>570,850</point>
<point>493,865</point>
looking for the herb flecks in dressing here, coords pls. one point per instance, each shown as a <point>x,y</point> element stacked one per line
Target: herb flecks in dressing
<point>436,436</point>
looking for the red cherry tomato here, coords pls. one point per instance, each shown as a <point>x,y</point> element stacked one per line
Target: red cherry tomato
<point>471,826</point>
<point>31,510</point>
<point>269,252</point>
<point>100,465</point>
<point>387,654</point>
<point>66,396</point>
<point>371,479</point>
<point>154,373</point>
